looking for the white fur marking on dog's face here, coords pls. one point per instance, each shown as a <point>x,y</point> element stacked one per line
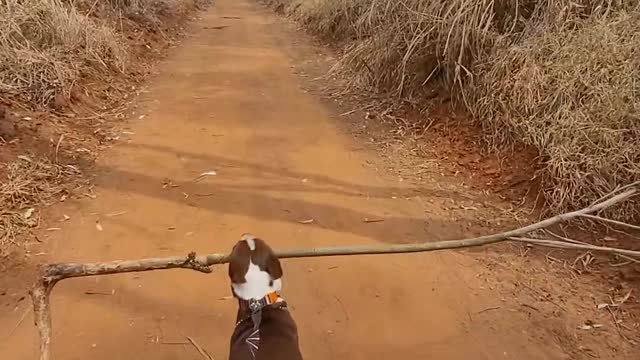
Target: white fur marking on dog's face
<point>250,239</point>
<point>258,284</point>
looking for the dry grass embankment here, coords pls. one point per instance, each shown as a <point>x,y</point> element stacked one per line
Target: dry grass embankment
<point>561,76</point>
<point>59,53</point>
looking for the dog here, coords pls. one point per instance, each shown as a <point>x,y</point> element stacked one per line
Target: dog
<point>265,330</point>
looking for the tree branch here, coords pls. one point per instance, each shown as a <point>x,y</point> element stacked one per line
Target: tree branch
<point>568,245</point>
<point>51,274</point>
<point>611,221</point>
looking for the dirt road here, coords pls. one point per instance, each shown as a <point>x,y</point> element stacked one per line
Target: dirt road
<point>228,101</point>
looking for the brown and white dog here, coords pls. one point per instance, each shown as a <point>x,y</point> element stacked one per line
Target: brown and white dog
<point>264,328</point>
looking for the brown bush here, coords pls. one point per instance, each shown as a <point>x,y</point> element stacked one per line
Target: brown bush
<point>45,45</point>
<point>574,94</point>
<point>556,74</point>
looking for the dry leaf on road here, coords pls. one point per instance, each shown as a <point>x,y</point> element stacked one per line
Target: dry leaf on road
<point>27,213</point>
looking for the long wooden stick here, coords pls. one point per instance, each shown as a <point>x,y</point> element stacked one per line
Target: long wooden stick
<point>51,274</point>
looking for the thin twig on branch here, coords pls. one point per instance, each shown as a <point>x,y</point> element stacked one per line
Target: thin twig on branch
<point>611,221</point>
<point>51,274</point>
<point>568,245</point>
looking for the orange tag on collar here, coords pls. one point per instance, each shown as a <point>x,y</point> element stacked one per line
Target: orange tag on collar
<point>273,297</point>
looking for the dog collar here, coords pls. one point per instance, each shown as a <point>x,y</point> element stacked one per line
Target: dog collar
<point>255,305</point>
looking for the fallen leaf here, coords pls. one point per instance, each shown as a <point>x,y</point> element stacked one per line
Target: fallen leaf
<point>65,217</point>
<point>63,198</point>
<point>171,228</point>
<point>117,213</point>
<point>205,174</point>
<point>25,158</point>
<point>54,229</point>
<point>468,207</point>
<point>27,213</point>
<point>308,221</point>
<point>99,226</point>
<point>602,306</point>
<point>590,327</point>
<point>589,324</point>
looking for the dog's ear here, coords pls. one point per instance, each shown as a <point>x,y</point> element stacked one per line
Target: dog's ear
<point>266,259</point>
<point>273,266</point>
<point>239,262</point>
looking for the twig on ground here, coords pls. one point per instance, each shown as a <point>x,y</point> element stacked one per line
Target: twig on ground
<point>175,343</point>
<point>91,292</point>
<point>24,315</point>
<point>202,351</point>
<point>616,323</point>
<point>372,220</point>
<point>51,274</point>
<point>489,309</point>
<point>629,260</point>
<point>543,297</point>
<point>58,148</point>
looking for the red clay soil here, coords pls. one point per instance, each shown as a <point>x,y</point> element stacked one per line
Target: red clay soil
<point>228,100</point>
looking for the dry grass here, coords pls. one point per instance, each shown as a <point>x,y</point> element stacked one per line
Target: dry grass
<point>531,71</point>
<point>330,19</point>
<point>574,94</point>
<point>28,184</point>
<point>47,45</point>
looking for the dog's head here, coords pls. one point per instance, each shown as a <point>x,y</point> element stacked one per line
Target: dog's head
<point>254,269</point>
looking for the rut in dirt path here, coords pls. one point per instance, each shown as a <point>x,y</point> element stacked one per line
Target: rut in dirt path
<point>227,101</point>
